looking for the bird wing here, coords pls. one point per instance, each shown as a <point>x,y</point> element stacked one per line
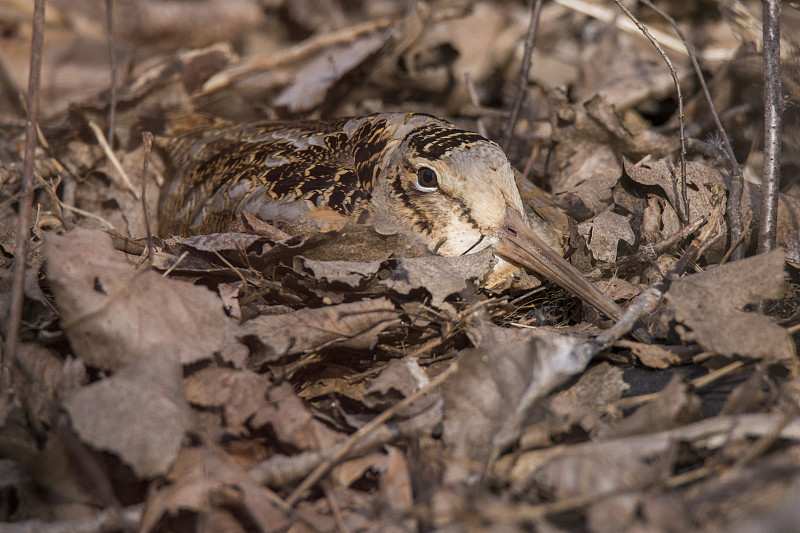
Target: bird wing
<point>276,170</point>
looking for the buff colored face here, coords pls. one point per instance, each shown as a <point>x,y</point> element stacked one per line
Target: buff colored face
<point>458,201</point>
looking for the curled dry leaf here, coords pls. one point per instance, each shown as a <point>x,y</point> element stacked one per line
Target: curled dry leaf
<point>113,314</point>
<point>705,192</point>
<point>353,325</point>
<point>197,483</point>
<point>603,233</point>
<point>49,381</point>
<point>489,394</point>
<point>400,379</point>
<point>292,421</point>
<point>59,474</point>
<point>139,414</point>
<point>653,355</point>
<point>240,393</point>
<point>396,490</point>
<point>624,69</point>
<point>350,273</point>
<point>439,275</point>
<point>581,403</point>
<point>315,80</point>
<point>711,304</point>
<point>585,179</point>
<point>675,406</point>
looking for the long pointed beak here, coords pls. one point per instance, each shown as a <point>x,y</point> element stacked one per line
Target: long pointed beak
<point>523,246</point>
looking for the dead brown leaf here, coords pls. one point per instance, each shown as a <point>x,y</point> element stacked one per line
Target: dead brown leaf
<point>440,276</point>
<point>486,393</point>
<point>353,325</point>
<point>524,444</point>
<point>293,423</point>
<point>315,80</point>
<point>50,382</point>
<point>653,355</point>
<point>350,273</point>
<point>114,314</point>
<point>240,393</point>
<point>581,403</point>
<point>198,483</point>
<point>603,233</point>
<point>139,414</point>
<point>400,379</point>
<point>675,406</point>
<point>711,304</point>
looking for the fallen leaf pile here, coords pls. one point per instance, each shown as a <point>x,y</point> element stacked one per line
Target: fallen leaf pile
<point>347,381</point>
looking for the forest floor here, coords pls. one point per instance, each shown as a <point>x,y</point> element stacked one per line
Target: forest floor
<point>254,381</point>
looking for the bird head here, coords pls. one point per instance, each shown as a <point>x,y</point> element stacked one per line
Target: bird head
<point>448,187</point>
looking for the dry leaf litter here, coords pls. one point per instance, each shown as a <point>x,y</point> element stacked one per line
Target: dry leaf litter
<point>258,381</point>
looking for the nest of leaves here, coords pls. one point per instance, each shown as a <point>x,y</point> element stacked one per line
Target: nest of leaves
<point>255,380</point>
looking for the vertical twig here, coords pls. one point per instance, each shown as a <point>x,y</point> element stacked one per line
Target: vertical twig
<point>522,84</point>
<point>772,126</point>
<point>681,126</point>
<point>26,203</point>
<point>147,139</point>
<point>112,55</point>
<point>473,97</point>
<point>734,211</point>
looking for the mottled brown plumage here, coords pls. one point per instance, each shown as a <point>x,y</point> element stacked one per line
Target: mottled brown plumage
<point>410,174</point>
<point>367,169</point>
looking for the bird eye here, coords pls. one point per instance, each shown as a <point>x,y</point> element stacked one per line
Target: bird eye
<point>427,180</point>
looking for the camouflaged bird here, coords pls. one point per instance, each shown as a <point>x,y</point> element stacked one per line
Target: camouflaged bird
<point>402,173</point>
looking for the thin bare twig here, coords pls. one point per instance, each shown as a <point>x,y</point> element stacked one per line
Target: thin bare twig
<point>772,126</point>
<point>522,84</point>
<point>735,245</point>
<point>763,443</point>
<point>26,203</point>
<point>359,435</point>
<point>112,55</point>
<point>651,251</point>
<point>109,519</point>
<point>733,167</point>
<point>101,139</point>
<point>281,470</point>
<point>681,126</point>
<point>85,213</point>
<point>476,102</point>
<point>572,361</point>
<point>270,60</point>
<point>310,46</point>
<point>647,300</point>
<point>600,12</point>
<point>636,401</point>
<point>147,139</point>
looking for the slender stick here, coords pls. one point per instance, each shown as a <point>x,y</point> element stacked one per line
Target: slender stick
<point>522,84</point>
<point>112,56</point>
<point>26,203</point>
<point>684,213</point>
<point>147,140</point>
<point>354,439</point>
<point>734,168</point>
<point>772,126</point>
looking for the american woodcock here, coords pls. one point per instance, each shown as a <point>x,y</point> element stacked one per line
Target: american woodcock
<point>402,173</point>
